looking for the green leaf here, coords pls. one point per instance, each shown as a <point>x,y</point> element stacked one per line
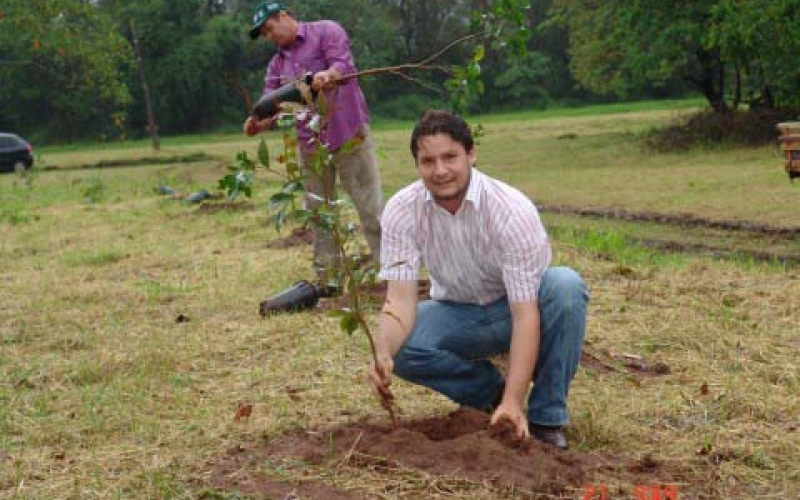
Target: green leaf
<point>227,182</point>
<point>358,277</point>
<point>349,146</point>
<point>280,198</point>
<point>292,170</point>
<point>292,187</point>
<point>338,313</point>
<point>263,153</point>
<point>303,215</point>
<point>242,162</point>
<point>280,219</point>
<point>349,322</point>
<point>480,53</point>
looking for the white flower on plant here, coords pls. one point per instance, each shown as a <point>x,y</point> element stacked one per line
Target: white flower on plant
<point>315,123</point>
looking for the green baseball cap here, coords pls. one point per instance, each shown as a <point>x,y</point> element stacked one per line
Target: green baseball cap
<point>263,12</point>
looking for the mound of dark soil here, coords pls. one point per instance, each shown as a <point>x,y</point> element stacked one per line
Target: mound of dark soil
<point>747,128</point>
<point>459,445</point>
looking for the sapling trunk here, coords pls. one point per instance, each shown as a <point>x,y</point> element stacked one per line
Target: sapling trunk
<point>356,306</point>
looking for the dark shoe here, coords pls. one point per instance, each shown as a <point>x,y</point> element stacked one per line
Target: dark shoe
<point>549,435</point>
<point>298,297</point>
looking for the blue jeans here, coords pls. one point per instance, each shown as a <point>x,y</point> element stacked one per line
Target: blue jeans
<point>449,345</point>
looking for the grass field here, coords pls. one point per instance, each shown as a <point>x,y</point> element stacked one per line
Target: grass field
<point>129,332</point>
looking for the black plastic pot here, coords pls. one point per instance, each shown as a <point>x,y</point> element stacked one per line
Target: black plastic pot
<point>198,196</point>
<point>269,103</point>
<point>299,297</point>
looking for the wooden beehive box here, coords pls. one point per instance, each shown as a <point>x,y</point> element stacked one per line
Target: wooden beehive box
<point>790,145</point>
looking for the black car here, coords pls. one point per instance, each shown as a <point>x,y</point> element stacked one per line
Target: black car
<point>16,154</point>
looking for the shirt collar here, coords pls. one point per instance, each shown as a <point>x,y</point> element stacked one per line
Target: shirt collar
<point>301,30</point>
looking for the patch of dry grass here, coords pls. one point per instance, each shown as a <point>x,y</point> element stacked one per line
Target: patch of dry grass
<point>105,394</point>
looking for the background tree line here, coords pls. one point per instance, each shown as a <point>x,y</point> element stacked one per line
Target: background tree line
<point>69,69</point>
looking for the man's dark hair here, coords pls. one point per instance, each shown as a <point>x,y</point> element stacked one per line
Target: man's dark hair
<point>435,121</point>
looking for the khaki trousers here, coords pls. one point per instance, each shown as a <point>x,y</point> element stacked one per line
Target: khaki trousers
<point>357,169</point>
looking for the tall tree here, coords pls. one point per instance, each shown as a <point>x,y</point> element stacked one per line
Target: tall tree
<point>62,61</point>
<point>192,53</point>
<point>725,49</point>
<point>761,41</point>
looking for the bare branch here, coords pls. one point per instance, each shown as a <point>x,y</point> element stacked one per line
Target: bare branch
<point>411,66</point>
<point>420,83</point>
<point>449,46</point>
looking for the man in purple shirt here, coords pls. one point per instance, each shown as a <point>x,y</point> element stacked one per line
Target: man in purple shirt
<point>322,48</point>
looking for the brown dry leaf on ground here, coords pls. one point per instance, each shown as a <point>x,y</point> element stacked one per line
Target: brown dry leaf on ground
<point>243,411</point>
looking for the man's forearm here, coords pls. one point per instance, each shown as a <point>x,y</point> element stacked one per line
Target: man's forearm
<point>395,326</point>
<point>524,352</point>
<point>397,317</point>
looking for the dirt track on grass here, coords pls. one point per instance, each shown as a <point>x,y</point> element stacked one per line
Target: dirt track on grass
<point>683,220</point>
<point>774,233</point>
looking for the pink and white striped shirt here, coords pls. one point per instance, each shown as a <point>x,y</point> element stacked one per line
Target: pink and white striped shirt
<point>493,246</point>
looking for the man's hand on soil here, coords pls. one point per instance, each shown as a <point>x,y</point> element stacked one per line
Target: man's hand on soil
<point>512,413</point>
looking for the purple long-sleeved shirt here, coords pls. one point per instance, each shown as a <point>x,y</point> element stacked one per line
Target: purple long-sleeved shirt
<point>319,46</point>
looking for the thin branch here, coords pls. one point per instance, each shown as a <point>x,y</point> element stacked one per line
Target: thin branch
<point>235,81</point>
<point>449,46</point>
<point>420,83</point>
<point>278,173</point>
<point>409,66</point>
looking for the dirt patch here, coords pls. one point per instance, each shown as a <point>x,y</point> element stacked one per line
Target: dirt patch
<point>228,206</point>
<point>135,162</point>
<point>633,364</point>
<point>298,237</point>
<point>756,255</point>
<point>248,484</point>
<point>682,220</point>
<point>459,445</point>
<point>775,233</point>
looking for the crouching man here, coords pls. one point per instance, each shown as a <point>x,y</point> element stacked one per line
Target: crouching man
<point>487,257</point>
